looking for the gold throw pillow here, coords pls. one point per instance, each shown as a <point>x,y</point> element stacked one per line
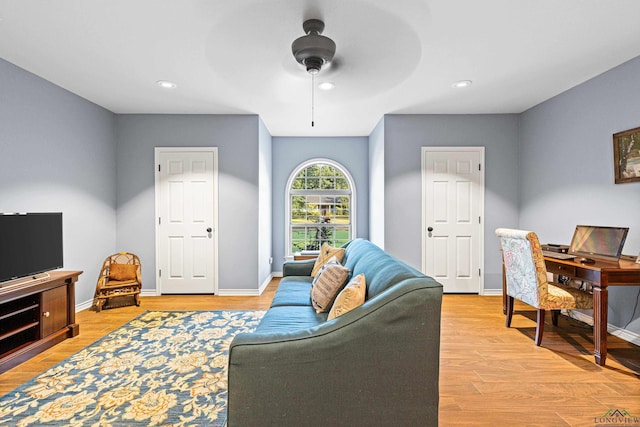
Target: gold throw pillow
<point>350,297</point>
<point>326,252</point>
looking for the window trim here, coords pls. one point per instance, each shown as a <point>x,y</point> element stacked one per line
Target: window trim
<point>288,193</point>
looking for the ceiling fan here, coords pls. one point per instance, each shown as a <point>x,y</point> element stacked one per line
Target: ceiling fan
<point>313,51</point>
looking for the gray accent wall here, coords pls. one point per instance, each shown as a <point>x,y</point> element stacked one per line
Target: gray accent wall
<point>405,135</point>
<point>290,152</point>
<point>566,176</point>
<point>58,154</point>
<point>376,185</point>
<point>237,139</point>
<point>265,207</point>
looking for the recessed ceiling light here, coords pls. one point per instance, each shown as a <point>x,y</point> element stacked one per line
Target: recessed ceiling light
<point>462,83</point>
<point>326,85</point>
<point>166,84</point>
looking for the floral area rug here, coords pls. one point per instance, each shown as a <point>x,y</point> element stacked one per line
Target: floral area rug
<point>164,368</point>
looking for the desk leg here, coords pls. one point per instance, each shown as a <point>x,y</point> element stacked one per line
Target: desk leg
<point>600,308</point>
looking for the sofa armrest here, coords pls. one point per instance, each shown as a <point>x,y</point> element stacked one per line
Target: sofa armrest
<point>375,365</point>
<point>298,268</point>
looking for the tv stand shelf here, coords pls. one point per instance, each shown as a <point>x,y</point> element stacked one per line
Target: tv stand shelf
<point>36,315</point>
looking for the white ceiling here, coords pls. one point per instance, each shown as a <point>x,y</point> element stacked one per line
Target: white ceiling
<point>400,56</point>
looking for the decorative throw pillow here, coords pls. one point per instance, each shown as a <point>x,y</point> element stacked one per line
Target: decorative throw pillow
<point>327,283</point>
<point>326,252</point>
<point>350,297</point>
<point>122,272</point>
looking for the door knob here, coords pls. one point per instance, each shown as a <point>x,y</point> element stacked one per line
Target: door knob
<point>430,229</point>
<point>209,230</point>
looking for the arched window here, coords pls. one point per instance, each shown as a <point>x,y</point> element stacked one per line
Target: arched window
<point>320,206</point>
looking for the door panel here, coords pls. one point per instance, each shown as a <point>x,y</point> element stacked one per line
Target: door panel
<point>186,211</point>
<point>452,208</point>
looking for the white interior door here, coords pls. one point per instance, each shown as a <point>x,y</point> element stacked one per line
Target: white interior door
<point>453,193</point>
<point>186,225</point>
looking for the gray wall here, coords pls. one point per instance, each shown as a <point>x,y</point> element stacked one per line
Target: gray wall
<point>289,152</point>
<point>567,177</point>
<point>546,169</point>
<point>236,137</point>
<point>265,240</point>
<point>58,154</point>
<point>376,185</point>
<point>404,137</point>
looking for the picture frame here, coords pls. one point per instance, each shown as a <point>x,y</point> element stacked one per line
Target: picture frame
<point>626,156</point>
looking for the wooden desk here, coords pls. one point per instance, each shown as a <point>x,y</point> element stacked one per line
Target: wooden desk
<point>601,275</point>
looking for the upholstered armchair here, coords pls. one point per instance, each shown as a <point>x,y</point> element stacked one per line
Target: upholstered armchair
<point>526,279</point>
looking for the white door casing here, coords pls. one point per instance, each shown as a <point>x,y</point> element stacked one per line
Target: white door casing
<point>452,217</point>
<point>186,220</point>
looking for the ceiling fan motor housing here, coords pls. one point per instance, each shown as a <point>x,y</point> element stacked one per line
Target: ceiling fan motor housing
<point>313,50</point>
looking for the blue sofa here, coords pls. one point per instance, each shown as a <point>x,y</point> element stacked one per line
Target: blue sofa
<point>376,365</point>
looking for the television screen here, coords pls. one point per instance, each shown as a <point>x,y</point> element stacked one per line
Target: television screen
<point>599,242</point>
<point>30,243</point>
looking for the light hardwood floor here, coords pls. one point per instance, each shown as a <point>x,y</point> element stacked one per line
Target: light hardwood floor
<point>489,375</point>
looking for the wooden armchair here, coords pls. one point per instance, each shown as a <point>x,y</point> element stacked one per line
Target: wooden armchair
<point>526,277</point>
<point>120,276</point>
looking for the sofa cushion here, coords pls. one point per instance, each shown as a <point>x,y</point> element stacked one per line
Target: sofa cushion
<point>326,253</point>
<point>328,282</point>
<point>350,297</point>
<point>293,290</point>
<point>290,319</point>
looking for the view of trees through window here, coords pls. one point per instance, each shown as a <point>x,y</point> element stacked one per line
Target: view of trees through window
<point>320,208</point>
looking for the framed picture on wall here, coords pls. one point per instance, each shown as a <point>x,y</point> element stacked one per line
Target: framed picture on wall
<point>626,156</point>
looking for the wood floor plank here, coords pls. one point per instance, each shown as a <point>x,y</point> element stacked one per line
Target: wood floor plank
<point>490,375</point>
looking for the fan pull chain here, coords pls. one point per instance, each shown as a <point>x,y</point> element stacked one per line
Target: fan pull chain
<point>312,99</point>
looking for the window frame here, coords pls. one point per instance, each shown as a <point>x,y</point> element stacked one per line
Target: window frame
<point>289,192</point>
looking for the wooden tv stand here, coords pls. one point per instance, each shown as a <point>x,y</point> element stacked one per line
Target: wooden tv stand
<point>36,315</point>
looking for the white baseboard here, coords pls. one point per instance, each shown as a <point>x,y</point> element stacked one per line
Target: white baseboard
<point>246,292</point>
<point>492,292</point>
<point>238,292</point>
<point>612,329</point>
<point>84,305</point>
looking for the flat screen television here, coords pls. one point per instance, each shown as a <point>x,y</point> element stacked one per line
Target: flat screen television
<point>598,242</point>
<point>30,243</point>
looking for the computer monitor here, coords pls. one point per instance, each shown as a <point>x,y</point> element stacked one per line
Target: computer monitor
<point>598,242</point>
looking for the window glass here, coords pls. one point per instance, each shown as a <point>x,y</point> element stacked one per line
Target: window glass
<point>320,200</point>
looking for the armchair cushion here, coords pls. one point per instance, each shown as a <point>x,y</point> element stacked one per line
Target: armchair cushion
<point>562,296</point>
<point>123,272</point>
